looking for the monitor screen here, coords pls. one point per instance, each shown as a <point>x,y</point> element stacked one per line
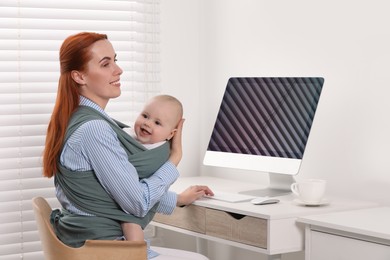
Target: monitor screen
<point>263,123</point>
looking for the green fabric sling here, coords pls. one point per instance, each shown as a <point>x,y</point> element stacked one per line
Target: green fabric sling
<point>84,190</point>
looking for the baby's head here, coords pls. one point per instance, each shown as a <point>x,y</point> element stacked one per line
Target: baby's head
<point>159,119</point>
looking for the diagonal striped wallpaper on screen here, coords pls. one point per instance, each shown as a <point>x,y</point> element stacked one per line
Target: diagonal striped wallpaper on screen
<point>266,116</point>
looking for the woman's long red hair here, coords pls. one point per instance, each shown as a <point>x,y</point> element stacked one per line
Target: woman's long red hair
<point>74,55</point>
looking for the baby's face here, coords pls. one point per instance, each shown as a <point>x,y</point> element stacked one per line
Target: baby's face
<point>157,122</point>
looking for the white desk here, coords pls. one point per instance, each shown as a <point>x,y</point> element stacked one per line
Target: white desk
<point>268,229</point>
<point>355,234</point>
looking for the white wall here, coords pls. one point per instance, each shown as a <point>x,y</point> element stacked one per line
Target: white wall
<point>347,42</point>
<point>180,71</point>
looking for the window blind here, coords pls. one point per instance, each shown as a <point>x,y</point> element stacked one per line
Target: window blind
<point>31,33</point>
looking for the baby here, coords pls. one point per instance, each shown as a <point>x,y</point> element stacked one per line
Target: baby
<point>156,124</point>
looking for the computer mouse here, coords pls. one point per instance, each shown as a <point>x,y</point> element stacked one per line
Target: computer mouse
<point>264,201</point>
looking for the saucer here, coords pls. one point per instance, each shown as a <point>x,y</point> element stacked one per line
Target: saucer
<point>321,203</point>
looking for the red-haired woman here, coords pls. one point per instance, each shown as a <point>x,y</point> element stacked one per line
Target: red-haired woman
<point>94,163</point>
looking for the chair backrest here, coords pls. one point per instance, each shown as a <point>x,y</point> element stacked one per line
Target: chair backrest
<point>49,240</point>
<point>54,249</point>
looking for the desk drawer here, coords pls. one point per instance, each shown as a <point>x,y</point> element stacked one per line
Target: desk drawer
<point>192,218</point>
<point>236,227</point>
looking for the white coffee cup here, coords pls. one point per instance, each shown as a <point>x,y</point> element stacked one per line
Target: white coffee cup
<point>310,191</point>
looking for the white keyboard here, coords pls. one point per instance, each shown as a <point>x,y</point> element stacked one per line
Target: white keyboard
<point>230,196</point>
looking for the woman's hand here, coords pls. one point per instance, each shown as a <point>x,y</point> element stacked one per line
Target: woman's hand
<point>191,194</point>
<point>176,146</point>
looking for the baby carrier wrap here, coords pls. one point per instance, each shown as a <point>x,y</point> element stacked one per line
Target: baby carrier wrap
<point>84,191</point>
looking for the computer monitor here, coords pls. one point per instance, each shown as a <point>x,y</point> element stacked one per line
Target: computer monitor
<point>263,124</point>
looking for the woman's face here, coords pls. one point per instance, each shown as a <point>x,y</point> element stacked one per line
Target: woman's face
<point>101,80</point>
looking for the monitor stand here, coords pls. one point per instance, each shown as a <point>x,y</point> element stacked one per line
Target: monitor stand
<point>279,184</point>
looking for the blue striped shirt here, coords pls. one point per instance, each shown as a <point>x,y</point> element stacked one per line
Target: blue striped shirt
<point>95,146</point>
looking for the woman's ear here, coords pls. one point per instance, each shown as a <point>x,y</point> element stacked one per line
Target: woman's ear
<point>78,77</point>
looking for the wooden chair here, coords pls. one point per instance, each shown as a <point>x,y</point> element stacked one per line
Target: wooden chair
<point>54,249</point>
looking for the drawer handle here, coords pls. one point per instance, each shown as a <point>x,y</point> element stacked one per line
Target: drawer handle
<point>236,215</point>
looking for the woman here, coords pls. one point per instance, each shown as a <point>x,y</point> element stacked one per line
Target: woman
<point>89,155</point>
